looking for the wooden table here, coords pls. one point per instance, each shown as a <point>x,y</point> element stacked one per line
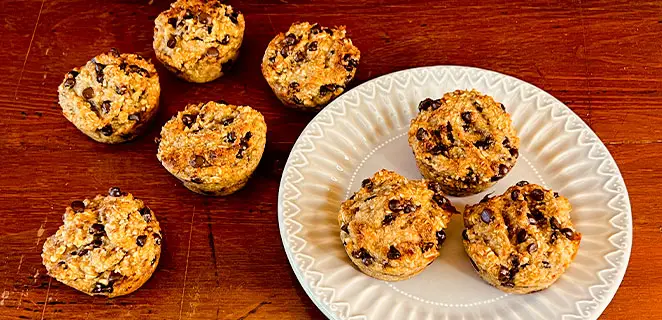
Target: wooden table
<point>223,257</point>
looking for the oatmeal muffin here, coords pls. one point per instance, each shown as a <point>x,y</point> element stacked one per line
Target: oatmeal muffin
<point>464,141</point>
<point>112,97</point>
<point>392,228</point>
<point>521,241</point>
<point>108,245</point>
<point>310,65</point>
<point>213,147</point>
<point>198,40</point>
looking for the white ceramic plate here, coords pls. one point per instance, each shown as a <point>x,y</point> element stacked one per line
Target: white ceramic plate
<point>365,130</point>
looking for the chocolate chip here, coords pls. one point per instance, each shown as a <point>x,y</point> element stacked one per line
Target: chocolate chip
<point>532,220</point>
<point>231,137</point>
<point>105,106</point>
<point>441,237</point>
<point>134,116</point>
<point>546,265</point>
<point>240,154</point>
<point>121,90</point>
<point>393,253</point>
<point>553,237</point>
<point>299,56</point>
<point>189,119</point>
<point>284,52</point>
<point>467,117</point>
<point>409,207</point>
<point>439,149</point>
<point>146,214</point>
<point>522,235</point>
<point>233,16</point>
<point>427,246</point>
<point>364,255</point>
<point>486,215</point>
<point>367,183</point>
<point>568,233</point>
<point>440,200</point>
<point>99,77</point>
<point>297,100</point>
<point>102,288</point>
<point>114,52</point>
<point>449,132</point>
<point>504,274</point>
<point>157,238</point>
<point>114,277</point>
<point>81,253</point>
<point>425,104</point>
<point>465,235</point>
<point>290,39</point>
<point>395,205</point>
<point>173,22</point>
<point>506,142</point>
<point>537,195</point>
<point>329,31</point>
<point>315,29</point>
<point>228,121</point>
<point>204,18</point>
<point>484,143</point>
<point>344,228</point>
<point>188,14</point>
<point>115,192</point>
<point>514,195</point>
<point>97,242</point>
<point>78,206</point>
<point>556,194</point>
<point>294,85</point>
<point>212,52</point>
<point>388,219</point>
<point>140,241</point>
<point>486,198</point>
<point>531,248</point>
<point>107,130</point>
<point>123,65</point>
<point>196,180</point>
<point>554,223</point>
<point>508,284</point>
<point>522,183</point>
<point>226,39</point>
<point>97,228</point>
<point>171,42</point>
<point>198,162</point>
<point>370,198</point>
<point>272,59</point>
<point>422,134</point>
<point>327,88</point>
<point>503,170</point>
<point>351,64</point>
<point>88,93</point>
<point>502,107</point>
<point>141,71</point>
<point>312,46</point>
<point>539,216</point>
<point>69,82</point>
<point>243,145</point>
<point>514,152</point>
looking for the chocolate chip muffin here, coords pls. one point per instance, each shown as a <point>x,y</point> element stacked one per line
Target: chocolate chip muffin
<point>464,141</point>
<point>310,65</point>
<point>111,97</point>
<point>392,228</point>
<point>213,147</point>
<point>521,241</point>
<point>107,246</point>
<point>198,40</point>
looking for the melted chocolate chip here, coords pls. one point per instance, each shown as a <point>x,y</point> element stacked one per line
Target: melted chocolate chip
<point>504,274</point>
<point>233,16</point>
<point>522,236</point>
<point>441,237</point>
<point>188,119</point>
<point>514,195</point>
<point>157,238</point>
<point>484,143</point>
<point>247,137</point>
<point>312,46</point>
<point>537,195</point>
<point>290,39</point>
<point>225,40</point>
<point>367,183</point>
<point>393,253</point>
<point>88,93</point>
<point>204,18</point>
<point>140,241</point>
<point>426,104</point>
<point>422,134</point>
<point>522,183</point>
<point>80,253</point>
<point>231,137</point>
<point>107,130</point>
<point>388,219</point>
<point>106,106</point>
<point>440,200</point>
<point>146,214</point>
<point>173,22</point>
<point>449,132</point>
<point>467,117</point>
<point>78,206</point>
<point>439,149</point>
<point>364,255</point>
<point>97,228</point>
<point>115,192</point>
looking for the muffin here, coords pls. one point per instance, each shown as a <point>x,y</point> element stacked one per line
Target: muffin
<point>310,65</point>
<point>521,241</point>
<point>198,40</point>
<point>108,246</point>
<point>213,147</point>
<point>464,141</point>
<point>392,228</point>
<point>112,97</point>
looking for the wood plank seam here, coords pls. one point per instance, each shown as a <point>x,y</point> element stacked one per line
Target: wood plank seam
<point>188,254</point>
<point>586,64</point>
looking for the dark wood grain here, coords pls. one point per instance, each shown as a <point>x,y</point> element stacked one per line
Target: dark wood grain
<point>223,257</point>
